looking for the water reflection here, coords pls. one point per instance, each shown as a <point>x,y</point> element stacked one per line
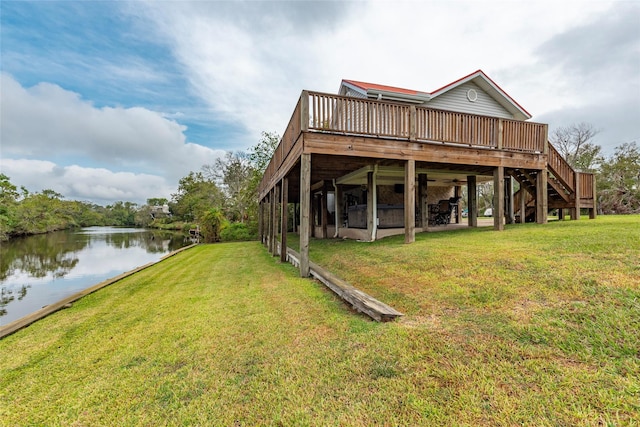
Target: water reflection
<point>40,270</point>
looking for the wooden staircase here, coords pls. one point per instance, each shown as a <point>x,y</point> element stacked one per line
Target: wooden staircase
<point>566,188</point>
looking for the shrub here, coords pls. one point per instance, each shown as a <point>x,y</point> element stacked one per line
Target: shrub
<point>237,231</point>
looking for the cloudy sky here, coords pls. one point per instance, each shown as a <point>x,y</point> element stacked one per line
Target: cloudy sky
<point>104,101</point>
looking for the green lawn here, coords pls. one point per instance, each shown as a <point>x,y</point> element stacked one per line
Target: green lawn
<point>535,325</point>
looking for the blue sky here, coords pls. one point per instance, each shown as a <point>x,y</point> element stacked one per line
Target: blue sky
<point>104,101</point>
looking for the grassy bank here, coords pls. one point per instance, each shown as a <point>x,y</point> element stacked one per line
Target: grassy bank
<point>536,325</point>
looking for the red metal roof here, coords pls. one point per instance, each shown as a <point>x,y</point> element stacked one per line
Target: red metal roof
<point>367,86</point>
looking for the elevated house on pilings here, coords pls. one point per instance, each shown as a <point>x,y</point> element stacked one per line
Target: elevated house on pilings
<point>376,160</point>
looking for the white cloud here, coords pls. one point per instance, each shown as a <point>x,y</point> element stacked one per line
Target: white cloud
<point>249,61</point>
<point>49,122</point>
<point>75,182</point>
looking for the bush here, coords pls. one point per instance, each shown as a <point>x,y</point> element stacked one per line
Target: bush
<point>237,231</point>
<point>212,223</point>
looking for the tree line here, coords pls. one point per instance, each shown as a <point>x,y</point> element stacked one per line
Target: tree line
<point>221,198</point>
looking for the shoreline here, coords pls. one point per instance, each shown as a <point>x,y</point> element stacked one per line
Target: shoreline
<point>45,311</point>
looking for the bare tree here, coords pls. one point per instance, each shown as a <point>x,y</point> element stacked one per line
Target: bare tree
<point>575,144</point>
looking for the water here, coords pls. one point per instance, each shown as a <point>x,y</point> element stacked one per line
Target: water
<point>40,270</point>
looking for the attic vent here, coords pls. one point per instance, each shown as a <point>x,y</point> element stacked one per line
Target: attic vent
<point>472,95</point>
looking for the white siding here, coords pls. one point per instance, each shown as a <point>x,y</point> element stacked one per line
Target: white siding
<point>354,94</point>
<point>456,100</point>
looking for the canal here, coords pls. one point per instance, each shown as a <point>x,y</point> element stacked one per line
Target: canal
<point>36,271</point>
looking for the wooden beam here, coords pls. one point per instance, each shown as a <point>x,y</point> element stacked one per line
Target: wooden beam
<point>456,194</point>
<point>371,206</point>
<point>472,202</point>
<point>423,184</point>
<point>305,205</point>
<point>576,215</point>
<point>260,220</point>
<point>508,200</point>
<point>324,210</point>
<point>284,217</point>
<point>338,208</point>
<point>523,205</point>
<point>542,201</point>
<point>271,222</point>
<point>592,211</point>
<point>410,201</point>
<point>381,148</point>
<point>498,198</point>
<point>274,211</point>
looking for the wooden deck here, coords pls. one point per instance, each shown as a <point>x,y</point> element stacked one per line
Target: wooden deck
<point>335,141</point>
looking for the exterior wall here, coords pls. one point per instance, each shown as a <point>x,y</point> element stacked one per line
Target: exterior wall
<point>456,100</point>
<point>435,194</point>
<point>345,91</point>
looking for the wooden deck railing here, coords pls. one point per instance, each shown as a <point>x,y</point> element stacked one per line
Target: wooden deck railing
<point>561,169</point>
<point>321,112</point>
<point>586,185</point>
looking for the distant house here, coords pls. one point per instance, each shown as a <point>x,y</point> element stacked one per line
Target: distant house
<point>378,160</point>
<point>158,212</point>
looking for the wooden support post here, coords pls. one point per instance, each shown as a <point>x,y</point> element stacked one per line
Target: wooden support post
<point>578,190</point>
<point>523,205</point>
<point>284,217</point>
<point>560,214</point>
<point>456,194</point>
<point>592,211</point>
<point>270,219</point>
<point>324,209</point>
<point>305,205</point>
<point>541,197</point>
<point>410,201</point>
<point>274,218</point>
<point>508,200</point>
<point>472,201</point>
<point>338,208</point>
<point>423,184</point>
<point>372,208</point>
<point>260,219</point>
<point>498,198</point>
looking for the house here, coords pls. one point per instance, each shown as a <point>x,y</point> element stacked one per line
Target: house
<point>378,160</point>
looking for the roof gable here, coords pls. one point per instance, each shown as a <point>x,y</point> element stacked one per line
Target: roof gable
<point>478,78</point>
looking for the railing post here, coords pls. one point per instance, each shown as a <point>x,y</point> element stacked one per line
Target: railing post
<point>545,139</point>
<point>304,111</point>
<point>499,143</point>
<point>412,123</point>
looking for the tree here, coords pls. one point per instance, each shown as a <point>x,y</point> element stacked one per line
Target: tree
<point>233,174</point>
<point>619,181</point>
<point>261,153</point>
<point>157,201</point>
<point>574,145</point>
<point>196,194</point>
<point>122,213</point>
<point>8,202</point>
<point>211,224</point>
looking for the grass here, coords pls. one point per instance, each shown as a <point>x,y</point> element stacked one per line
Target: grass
<point>536,325</point>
